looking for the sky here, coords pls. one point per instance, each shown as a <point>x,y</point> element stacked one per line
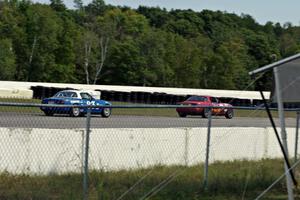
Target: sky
<point>281,11</point>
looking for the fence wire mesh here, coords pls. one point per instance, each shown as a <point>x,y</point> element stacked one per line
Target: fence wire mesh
<point>140,153</point>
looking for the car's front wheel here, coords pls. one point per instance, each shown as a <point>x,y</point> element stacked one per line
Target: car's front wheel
<point>106,112</point>
<point>181,114</point>
<point>229,114</point>
<point>75,112</point>
<point>48,113</point>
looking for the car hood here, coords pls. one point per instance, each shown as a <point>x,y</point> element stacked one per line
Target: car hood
<point>104,102</point>
<point>225,104</point>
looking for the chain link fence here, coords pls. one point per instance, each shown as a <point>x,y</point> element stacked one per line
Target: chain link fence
<point>140,152</point>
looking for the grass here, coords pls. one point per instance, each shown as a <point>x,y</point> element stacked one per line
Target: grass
<point>227,180</point>
<point>166,112</point>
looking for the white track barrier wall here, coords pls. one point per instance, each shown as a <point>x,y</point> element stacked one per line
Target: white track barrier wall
<point>46,151</point>
<point>16,93</point>
<point>176,91</point>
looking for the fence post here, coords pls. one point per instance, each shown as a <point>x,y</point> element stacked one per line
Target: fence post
<point>207,150</point>
<point>86,155</point>
<point>283,132</point>
<point>297,134</point>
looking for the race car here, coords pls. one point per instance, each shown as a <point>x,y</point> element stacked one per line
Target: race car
<point>227,111</point>
<point>75,97</point>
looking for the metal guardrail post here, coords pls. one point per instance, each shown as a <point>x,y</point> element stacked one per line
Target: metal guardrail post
<point>86,155</point>
<point>205,182</point>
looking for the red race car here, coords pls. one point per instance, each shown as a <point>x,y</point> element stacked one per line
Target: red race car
<point>205,101</point>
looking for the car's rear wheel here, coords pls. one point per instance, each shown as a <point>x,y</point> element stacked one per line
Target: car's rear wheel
<point>75,112</point>
<point>106,112</point>
<point>181,114</point>
<point>229,114</point>
<point>48,113</point>
<point>206,112</point>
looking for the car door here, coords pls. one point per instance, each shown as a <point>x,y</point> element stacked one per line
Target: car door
<point>87,99</point>
<point>215,102</point>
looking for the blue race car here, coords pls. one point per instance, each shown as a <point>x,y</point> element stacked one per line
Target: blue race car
<point>75,97</point>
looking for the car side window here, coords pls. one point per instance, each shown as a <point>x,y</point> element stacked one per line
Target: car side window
<point>85,96</point>
<point>197,98</point>
<point>60,94</point>
<point>74,94</point>
<point>214,100</point>
<point>204,99</point>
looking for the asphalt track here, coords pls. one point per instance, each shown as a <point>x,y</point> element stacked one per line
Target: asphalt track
<point>37,120</point>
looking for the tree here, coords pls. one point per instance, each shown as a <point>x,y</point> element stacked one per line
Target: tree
<point>88,43</point>
<point>7,60</point>
<point>114,25</point>
<point>126,63</point>
<point>288,45</point>
<point>96,8</point>
<point>230,65</point>
<point>57,5</point>
<point>12,22</point>
<point>157,17</point>
<point>65,53</point>
<point>100,43</point>
<point>95,47</point>
<point>185,61</point>
<point>154,71</point>
<point>43,27</point>
<point>78,4</point>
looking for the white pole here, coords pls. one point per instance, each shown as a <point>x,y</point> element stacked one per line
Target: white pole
<point>283,131</point>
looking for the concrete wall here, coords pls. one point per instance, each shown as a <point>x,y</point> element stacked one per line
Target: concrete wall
<point>44,151</point>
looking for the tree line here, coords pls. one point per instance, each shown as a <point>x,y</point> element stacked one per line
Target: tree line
<point>148,46</point>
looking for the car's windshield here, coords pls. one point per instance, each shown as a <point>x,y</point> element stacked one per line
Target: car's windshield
<point>197,98</point>
<point>65,94</point>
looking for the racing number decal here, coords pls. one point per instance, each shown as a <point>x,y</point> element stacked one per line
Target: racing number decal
<point>90,103</point>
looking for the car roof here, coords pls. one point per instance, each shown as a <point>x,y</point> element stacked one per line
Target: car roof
<point>69,91</point>
<point>201,96</point>
<point>73,91</point>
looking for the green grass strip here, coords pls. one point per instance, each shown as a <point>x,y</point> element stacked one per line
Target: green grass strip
<point>227,180</point>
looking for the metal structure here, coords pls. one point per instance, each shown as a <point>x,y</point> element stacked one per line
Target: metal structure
<point>274,66</point>
<point>283,134</point>
<point>296,137</point>
<point>86,155</point>
<point>205,182</point>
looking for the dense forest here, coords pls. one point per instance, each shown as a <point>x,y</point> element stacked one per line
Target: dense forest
<point>148,46</point>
